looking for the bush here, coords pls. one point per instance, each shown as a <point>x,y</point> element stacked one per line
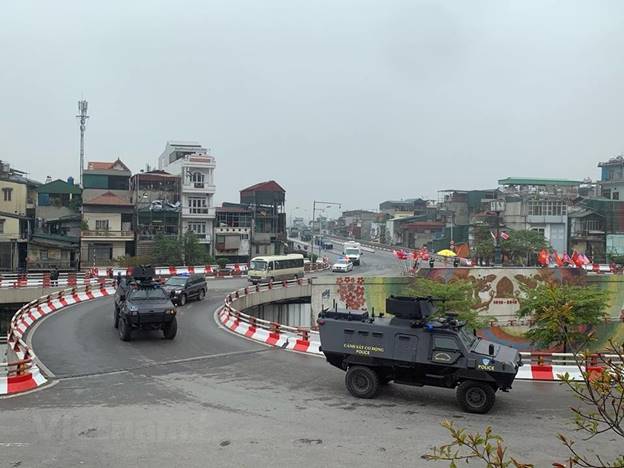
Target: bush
<point>128,261</point>
<point>222,262</point>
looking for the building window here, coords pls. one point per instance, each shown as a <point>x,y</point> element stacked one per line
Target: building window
<point>2,226</point>
<point>197,178</point>
<point>197,205</point>
<point>198,228</point>
<point>615,196</point>
<point>101,224</point>
<point>546,208</point>
<point>606,193</point>
<point>7,193</point>
<point>43,254</point>
<point>539,230</point>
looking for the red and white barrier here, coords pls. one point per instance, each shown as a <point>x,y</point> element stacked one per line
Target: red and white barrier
<point>24,374</point>
<point>235,269</point>
<point>536,366</point>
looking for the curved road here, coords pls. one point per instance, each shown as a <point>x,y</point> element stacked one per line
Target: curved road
<point>210,398</point>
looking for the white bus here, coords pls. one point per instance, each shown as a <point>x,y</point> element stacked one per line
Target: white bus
<point>275,268</point>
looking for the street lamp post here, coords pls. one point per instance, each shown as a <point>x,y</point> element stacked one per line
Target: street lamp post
<point>329,205</point>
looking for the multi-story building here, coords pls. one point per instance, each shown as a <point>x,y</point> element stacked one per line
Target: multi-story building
<point>266,202</point>
<point>407,207</point>
<point>540,205</point>
<point>156,199</point>
<point>17,213</point>
<point>612,178</point>
<point>55,242</point>
<point>196,167</point>
<point>107,214</point>
<point>232,232</point>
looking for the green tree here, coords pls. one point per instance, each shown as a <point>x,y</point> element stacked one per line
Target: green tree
<point>167,251</point>
<point>561,313</point>
<point>457,295</point>
<point>522,246</point>
<point>600,411</point>
<point>193,252</point>
<point>222,262</point>
<point>483,245</point>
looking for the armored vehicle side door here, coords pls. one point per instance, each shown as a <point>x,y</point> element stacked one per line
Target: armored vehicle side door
<point>405,347</point>
<point>445,349</point>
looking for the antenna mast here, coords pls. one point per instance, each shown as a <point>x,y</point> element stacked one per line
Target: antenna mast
<point>82,108</point>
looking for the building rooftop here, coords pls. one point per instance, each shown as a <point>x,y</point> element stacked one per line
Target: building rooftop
<point>268,186</point>
<point>107,198</point>
<point>538,181</point>
<point>617,160</point>
<point>117,165</point>
<point>59,186</point>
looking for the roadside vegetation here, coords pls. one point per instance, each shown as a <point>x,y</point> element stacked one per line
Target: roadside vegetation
<point>561,315</point>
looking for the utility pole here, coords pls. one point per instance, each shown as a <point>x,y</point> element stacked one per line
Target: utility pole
<point>82,108</point>
<point>329,204</point>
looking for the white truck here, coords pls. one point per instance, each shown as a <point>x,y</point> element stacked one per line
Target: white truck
<point>353,251</point>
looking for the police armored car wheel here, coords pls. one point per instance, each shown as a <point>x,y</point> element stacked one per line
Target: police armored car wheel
<point>362,382</point>
<point>170,329</point>
<point>201,295</point>
<point>475,397</point>
<point>124,330</point>
<point>182,299</point>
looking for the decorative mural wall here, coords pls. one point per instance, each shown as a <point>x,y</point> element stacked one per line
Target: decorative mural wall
<point>496,291</point>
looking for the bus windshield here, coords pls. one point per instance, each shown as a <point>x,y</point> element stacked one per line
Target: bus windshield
<point>258,265</point>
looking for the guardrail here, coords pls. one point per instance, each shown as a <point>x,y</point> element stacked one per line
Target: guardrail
<point>537,365</point>
<point>300,339</point>
<point>23,373</point>
<point>94,275</point>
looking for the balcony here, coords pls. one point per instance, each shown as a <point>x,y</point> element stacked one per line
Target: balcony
<point>198,187</point>
<point>198,213</point>
<point>106,235</point>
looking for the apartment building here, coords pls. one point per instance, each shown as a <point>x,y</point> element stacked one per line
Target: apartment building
<point>107,212</point>
<point>195,167</point>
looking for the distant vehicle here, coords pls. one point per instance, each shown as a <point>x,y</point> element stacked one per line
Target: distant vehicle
<point>411,347</point>
<point>183,288</point>
<point>352,250</point>
<point>275,268</point>
<point>342,265</point>
<point>141,303</point>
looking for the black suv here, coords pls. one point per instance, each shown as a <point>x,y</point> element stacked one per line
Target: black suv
<point>141,303</point>
<point>183,288</point>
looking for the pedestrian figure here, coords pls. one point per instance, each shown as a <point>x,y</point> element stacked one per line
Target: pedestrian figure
<point>54,276</point>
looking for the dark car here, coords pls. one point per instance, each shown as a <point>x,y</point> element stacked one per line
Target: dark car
<point>414,348</point>
<point>183,288</point>
<point>143,305</point>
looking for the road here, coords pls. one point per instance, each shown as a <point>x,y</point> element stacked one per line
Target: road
<point>210,398</point>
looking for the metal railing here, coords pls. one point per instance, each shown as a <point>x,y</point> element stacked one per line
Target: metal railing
<point>24,319</point>
<point>102,233</point>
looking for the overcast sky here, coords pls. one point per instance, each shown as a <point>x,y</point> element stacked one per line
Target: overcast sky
<point>348,101</point>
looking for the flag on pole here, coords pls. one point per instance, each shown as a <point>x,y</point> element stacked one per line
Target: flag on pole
<point>504,235</point>
<point>557,258</point>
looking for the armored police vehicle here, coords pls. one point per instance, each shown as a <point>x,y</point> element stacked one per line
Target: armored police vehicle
<point>411,347</point>
<point>141,303</point>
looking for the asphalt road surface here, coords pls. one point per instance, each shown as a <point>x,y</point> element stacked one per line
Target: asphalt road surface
<point>210,398</point>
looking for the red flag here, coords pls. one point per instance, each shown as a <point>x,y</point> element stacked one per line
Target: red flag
<point>557,258</point>
<point>577,259</point>
<point>543,257</point>
<point>504,235</point>
<point>566,258</point>
<point>416,255</point>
